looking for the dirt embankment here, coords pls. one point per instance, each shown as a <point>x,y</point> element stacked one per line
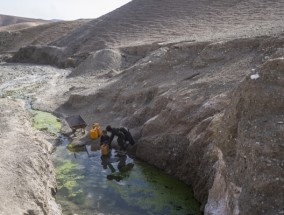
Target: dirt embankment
<point>27,175</point>
<point>27,182</point>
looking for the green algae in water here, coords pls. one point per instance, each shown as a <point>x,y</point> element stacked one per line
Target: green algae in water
<point>46,121</point>
<point>158,193</point>
<point>90,184</point>
<point>67,178</point>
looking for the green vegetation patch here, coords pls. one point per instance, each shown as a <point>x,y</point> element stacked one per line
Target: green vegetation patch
<point>157,193</point>
<point>68,178</point>
<point>46,121</point>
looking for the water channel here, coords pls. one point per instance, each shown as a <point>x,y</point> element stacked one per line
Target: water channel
<point>89,183</point>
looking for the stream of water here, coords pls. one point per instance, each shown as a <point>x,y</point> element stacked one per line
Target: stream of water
<point>89,183</point>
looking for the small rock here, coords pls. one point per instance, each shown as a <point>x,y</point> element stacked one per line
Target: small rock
<point>254,76</point>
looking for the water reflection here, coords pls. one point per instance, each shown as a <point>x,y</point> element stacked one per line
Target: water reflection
<point>123,169</point>
<point>89,183</point>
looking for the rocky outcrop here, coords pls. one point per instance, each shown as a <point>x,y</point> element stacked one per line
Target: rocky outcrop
<point>249,141</point>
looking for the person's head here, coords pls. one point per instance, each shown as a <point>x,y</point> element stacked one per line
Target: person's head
<point>109,128</point>
<point>104,132</point>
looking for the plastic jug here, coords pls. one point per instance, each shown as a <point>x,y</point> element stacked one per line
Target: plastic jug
<point>104,149</point>
<point>99,129</point>
<point>94,134</point>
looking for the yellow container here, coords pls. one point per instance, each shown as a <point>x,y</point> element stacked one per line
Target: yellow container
<point>94,134</point>
<point>104,149</point>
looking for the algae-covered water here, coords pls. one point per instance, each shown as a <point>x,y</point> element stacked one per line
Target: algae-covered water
<point>89,183</point>
<point>46,121</point>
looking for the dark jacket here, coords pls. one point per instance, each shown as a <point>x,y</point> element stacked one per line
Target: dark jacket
<point>127,135</point>
<point>105,139</point>
<point>118,133</point>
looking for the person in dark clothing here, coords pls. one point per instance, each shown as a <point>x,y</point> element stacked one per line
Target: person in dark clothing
<point>121,140</point>
<point>127,135</point>
<point>105,139</point>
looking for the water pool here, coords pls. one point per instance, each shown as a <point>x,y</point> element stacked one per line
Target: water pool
<point>89,183</point>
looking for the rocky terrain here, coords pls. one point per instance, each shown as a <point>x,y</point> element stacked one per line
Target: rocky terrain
<point>200,84</point>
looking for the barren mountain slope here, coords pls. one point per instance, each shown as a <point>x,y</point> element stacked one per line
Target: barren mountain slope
<point>20,26</point>
<point>13,37</point>
<point>10,20</point>
<point>141,22</point>
<point>152,21</point>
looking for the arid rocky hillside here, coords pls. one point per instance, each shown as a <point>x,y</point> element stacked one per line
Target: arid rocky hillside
<point>6,20</point>
<point>200,84</point>
<point>32,32</point>
<point>153,21</point>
